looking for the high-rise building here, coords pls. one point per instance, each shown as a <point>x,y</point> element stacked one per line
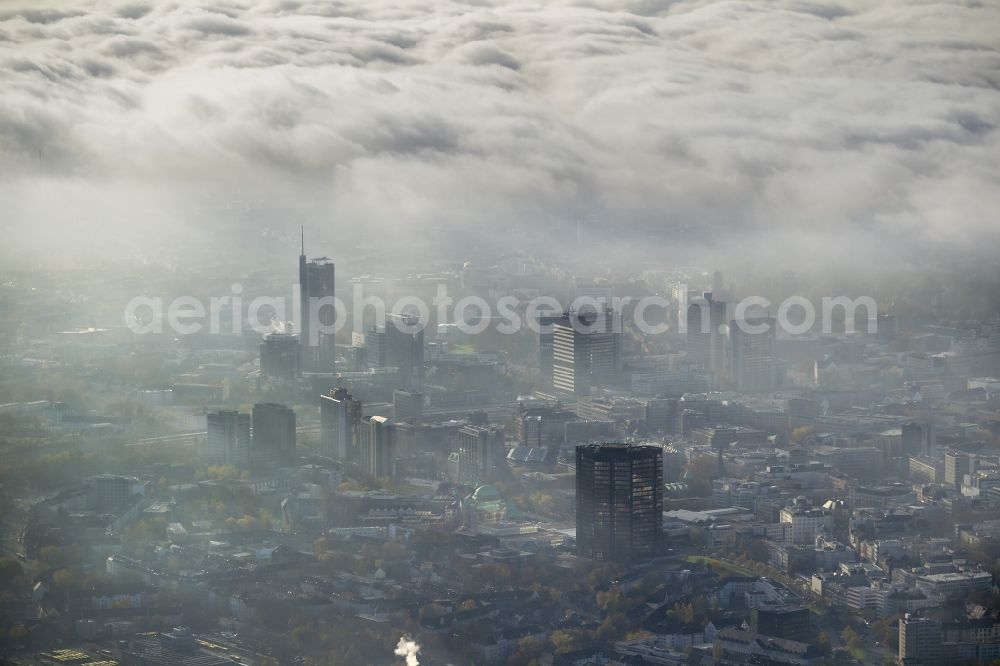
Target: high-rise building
<point>586,351</point>
<point>227,441</point>
<point>918,439</point>
<point>316,281</point>
<point>273,435</point>
<point>717,282</point>
<point>662,415</point>
<point>545,348</point>
<point>375,355</point>
<point>339,415</point>
<point>398,344</point>
<point>407,406</point>
<point>480,454</point>
<point>706,320</point>
<point>956,465</point>
<point>888,328</point>
<point>280,356</point>
<point>919,640</point>
<point>751,359</point>
<point>619,501</point>
<point>380,458</point>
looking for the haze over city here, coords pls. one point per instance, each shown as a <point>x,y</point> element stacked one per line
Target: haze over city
<point>833,133</point>
<point>554,333</point>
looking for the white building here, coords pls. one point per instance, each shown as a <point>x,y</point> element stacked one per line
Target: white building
<point>806,520</point>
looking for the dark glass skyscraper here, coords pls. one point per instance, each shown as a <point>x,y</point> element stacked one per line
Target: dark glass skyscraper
<point>619,501</point>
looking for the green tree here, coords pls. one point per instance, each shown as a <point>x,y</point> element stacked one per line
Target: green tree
<point>613,628</point>
<point>699,474</point>
<point>565,641</point>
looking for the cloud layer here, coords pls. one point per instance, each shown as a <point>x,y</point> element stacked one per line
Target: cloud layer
<point>860,128</point>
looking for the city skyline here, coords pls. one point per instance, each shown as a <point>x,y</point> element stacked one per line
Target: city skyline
<point>447,332</point>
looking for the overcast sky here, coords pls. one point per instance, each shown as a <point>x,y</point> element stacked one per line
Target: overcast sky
<point>847,130</point>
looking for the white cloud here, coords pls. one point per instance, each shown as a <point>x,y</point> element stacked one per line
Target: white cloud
<point>776,122</point>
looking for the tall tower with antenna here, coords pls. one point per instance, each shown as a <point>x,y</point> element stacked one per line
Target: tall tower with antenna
<point>316,281</point>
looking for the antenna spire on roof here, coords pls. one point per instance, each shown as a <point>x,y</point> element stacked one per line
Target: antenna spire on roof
<point>302,229</point>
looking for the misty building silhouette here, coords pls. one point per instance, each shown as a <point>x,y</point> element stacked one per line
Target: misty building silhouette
<point>340,415</point>
<point>398,344</point>
<point>480,454</point>
<point>316,281</point>
<point>280,356</point>
<point>273,435</point>
<point>706,342</point>
<point>380,448</point>
<point>751,357</point>
<point>228,438</point>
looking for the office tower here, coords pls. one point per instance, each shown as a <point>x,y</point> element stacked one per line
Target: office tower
<point>956,465</point>
<point>705,335</point>
<point>605,346</point>
<point>316,281</point>
<point>888,328</point>
<point>280,356</point>
<point>586,351</point>
<point>480,453</point>
<point>407,407</point>
<point>662,415</point>
<point>380,454</point>
<point>404,349</point>
<point>273,435</point>
<point>751,359</point>
<point>339,415</point>
<point>920,640</point>
<point>542,426</point>
<point>375,347</point>
<point>545,348</point>
<point>228,439</point>
<point>399,344</point>
<point>619,501</point>
<point>570,360</point>
<point>919,439</point>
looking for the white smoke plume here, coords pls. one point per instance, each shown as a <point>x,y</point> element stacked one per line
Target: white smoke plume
<point>408,649</point>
